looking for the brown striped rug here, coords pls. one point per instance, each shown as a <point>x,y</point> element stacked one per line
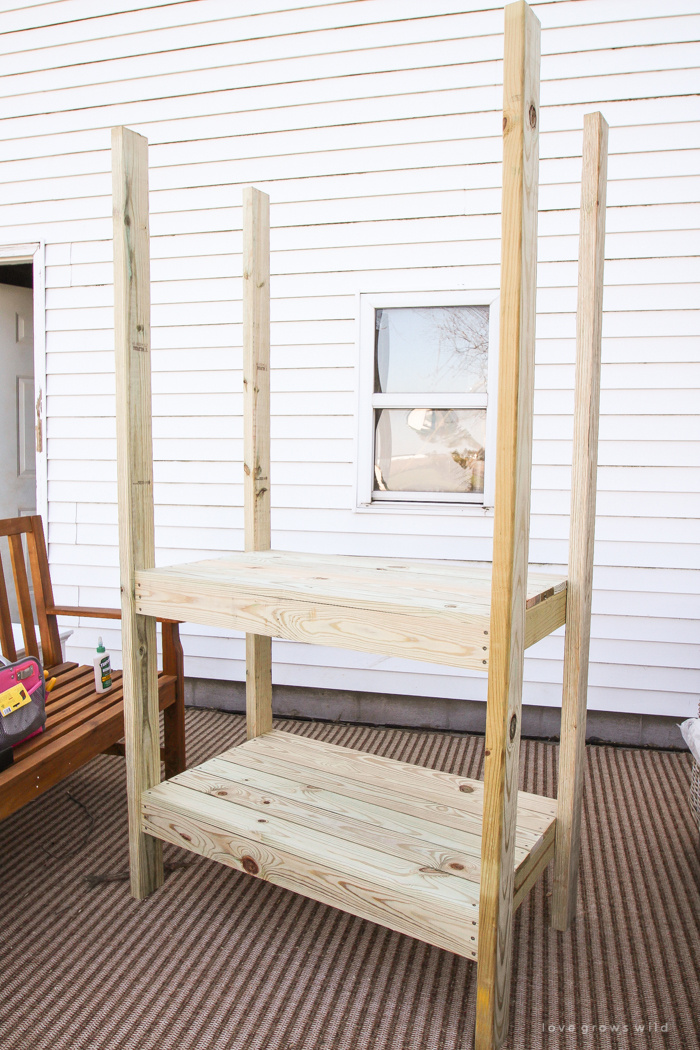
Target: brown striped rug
<point>218,960</point>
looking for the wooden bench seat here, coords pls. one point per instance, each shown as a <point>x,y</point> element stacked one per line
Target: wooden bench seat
<point>80,723</point>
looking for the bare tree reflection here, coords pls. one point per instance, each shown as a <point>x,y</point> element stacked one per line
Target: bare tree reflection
<point>463,341</point>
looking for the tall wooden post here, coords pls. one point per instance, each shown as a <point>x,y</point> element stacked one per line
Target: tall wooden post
<point>589,322</point>
<point>256,435</point>
<point>132,343</point>
<point>521,109</point>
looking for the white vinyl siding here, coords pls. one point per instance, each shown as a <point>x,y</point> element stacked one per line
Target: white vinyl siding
<point>376,129</point>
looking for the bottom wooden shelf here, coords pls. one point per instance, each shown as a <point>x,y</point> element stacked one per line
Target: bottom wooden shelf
<point>388,841</point>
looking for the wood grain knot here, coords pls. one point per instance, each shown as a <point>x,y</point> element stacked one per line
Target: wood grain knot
<point>456,866</point>
<point>250,865</point>
<point>466,788</point>
<point>513,727</point>
<point>187,838</point>
<point>533,117</point>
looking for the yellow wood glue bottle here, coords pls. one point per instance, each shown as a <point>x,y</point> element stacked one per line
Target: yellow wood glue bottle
<point>103,669</point>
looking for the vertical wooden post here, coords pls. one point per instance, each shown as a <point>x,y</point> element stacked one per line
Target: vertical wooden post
<point>256,435</point>
<point>589,322</point>
<point>132,344</point>
<point>511,517</point>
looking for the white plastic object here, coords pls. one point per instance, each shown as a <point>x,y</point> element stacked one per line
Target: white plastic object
<point>691,734</point>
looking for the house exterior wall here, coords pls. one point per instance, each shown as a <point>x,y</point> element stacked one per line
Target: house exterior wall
<point>375,128</point>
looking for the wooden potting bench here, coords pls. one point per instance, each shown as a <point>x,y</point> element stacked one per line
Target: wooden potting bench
<point>437,856</point>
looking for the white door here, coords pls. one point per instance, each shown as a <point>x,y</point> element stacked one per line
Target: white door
<point>17,410</point>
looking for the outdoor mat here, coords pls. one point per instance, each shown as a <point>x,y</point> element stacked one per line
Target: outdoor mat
<point>219,960</point>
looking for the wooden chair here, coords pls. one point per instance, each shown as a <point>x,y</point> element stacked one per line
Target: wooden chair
<point>80,723</point>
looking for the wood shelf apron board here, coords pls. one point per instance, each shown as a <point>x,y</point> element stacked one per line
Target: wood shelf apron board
<point>387,841</point>
<point>437,612</point>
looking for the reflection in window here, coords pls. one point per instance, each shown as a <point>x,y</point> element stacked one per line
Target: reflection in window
<point>437,349</point>
<point>435,354</point>
<point>429,450</point>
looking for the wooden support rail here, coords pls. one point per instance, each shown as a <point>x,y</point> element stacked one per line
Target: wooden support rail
<point>256,435</point>
<point>589,322</point>
<point>132,345</point>
<point>521,107</point>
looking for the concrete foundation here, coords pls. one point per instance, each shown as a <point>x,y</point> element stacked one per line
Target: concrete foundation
<point>419,712</point>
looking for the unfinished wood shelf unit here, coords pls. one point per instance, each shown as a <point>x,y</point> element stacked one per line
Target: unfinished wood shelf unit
<point>432,855</point>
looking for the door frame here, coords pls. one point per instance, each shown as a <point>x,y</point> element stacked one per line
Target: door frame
<point>34,253</point>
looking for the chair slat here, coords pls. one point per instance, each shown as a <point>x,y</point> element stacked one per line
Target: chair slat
<point>15,526</point>
<point>24,598</point>
<point>43,593</point>
<point>7,639</point>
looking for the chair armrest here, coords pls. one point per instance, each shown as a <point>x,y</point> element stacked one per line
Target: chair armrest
<point>95,612</point>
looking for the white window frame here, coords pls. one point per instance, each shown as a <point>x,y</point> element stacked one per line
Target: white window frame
<point>368,401</point>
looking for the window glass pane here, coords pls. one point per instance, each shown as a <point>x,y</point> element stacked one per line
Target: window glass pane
<point>429,450</point>
<point>431,350</point>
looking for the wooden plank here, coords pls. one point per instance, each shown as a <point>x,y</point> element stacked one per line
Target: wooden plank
<point>258,678</point>
<point>15,526</point>
<point>174,715</point>
<point>74,676</point>
<point>415,610</point>
<point>86,610</point>
<point>511,517</point>
<point>57,757</point>
<point>256,435</point>
<point>24,599</point>
<point>357,577</point>
<point>50,764</point>
<point>73,716</point>
<point>446,813</point>
<point>61,669</point>
<point>448,789</point>
<point>51,652</point>
<point>86,707</point>
<point>82,692</point>
<point>530,872</point>
<point>544,617</point>
<point>287,789</point>
<point>380,792</point>
<point>448,890</point>
<point>7,638</point>
<point>589,319</point>
<point>347,818</point>
<point>437,908</point>
<point>132,339</point>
